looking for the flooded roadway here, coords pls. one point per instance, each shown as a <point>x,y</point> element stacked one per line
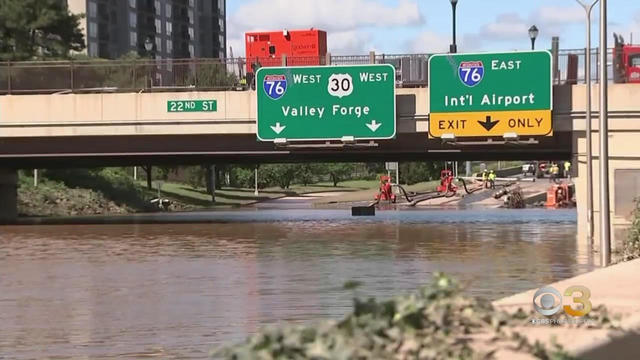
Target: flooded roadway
<point>179,290</point>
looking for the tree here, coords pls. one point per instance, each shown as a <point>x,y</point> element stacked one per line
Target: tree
<point>339,172</point>
<point>38,29</point>
<point>306,173</point>
<point>415,172</point>
<point>279,174</point>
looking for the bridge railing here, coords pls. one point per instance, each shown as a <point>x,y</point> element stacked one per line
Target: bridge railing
<point>98,75</point>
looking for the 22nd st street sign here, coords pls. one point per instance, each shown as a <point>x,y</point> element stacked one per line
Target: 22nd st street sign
<point>326,102</point>
<point>490,94</point>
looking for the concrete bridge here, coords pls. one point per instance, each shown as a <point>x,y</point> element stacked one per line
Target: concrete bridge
<point>103,129</point>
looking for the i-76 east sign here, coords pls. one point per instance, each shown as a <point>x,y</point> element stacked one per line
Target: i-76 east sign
<point>326,102</point>
<point>490,94</point>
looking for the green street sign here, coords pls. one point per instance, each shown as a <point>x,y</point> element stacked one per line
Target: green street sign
<point>192,105</point>
<point>490,94</point>
<point>326,102</point>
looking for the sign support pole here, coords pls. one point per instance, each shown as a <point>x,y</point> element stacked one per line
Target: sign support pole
<point>588,131</point>
<point>605,230</point>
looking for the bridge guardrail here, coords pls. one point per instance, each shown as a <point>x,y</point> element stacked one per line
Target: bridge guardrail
<point>99,75</point>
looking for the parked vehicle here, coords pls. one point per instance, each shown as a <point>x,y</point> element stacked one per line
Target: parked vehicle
<point>529,168</point>
<point>626,61</point>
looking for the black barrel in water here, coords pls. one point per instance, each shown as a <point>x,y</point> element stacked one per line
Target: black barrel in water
<point>363,211</point>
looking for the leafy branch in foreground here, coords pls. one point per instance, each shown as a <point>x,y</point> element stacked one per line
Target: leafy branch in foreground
<point>437,322</point>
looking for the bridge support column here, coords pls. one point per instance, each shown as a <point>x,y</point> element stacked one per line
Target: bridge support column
<point>211,182</point>
<point>8,195</point>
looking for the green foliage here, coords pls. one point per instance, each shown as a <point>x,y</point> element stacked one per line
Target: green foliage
<point>433,323</point>
<point>415,172</point>
<point>38,29</point>
<point>339,171</point>
<point>209,75</point>
<point>196,177</point>
<point>632,244</point>
<point>242,177</point>
<point>307,173</point>
<point>113,183</point>
<point>281,175</point>
<point>436,322</point>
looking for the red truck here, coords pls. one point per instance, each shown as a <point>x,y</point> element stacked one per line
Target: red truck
<point>302,48</point>
<point>626,61</point>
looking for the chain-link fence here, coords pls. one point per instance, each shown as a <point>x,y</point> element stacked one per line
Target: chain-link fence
<point>99,75</point>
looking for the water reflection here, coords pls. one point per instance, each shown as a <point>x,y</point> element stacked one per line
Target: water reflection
<point>177,290</point>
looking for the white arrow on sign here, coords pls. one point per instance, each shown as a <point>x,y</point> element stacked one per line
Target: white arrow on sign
<point>277,129</point>
<point>373,126</point>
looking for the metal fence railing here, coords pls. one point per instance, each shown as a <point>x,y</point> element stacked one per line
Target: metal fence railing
<point>572,66</point>
<point>219,74</point>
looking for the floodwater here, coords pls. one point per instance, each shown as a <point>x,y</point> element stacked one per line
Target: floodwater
<point>180,290</point>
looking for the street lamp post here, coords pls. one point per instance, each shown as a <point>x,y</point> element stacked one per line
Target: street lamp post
<point>587,9</point>
<point>533,34</point>
<point>453,48</point>
<point>148,46</point>
<point>605,230</point>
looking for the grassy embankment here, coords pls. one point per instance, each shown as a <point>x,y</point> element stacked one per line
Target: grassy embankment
<point>198,198</point>
<point>113,191</point>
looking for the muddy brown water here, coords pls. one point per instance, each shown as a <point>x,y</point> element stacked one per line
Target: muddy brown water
<point>180,290</point>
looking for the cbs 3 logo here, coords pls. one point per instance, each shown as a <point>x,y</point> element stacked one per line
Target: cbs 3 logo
<point>551,301</point>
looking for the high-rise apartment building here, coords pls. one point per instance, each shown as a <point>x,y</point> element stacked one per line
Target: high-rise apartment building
<point>163,29</point>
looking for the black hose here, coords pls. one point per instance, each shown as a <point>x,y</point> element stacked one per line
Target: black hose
<point>464,184</point>
<point>404,192</point>
<point>415,202</point>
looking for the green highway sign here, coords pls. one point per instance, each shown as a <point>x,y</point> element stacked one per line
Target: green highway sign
<point>490,94</point>
<point>192,105</point>
<point>326,102</point>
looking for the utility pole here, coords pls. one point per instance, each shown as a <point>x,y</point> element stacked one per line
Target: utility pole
<point>589,145</point>
<point>605,230</point>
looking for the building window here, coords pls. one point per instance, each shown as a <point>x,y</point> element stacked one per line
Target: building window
<point>133,19</point>
<point>221,39</point>
<point>132,3</point>
<point>167,10</point>
<point>93,29</point>
<point>191,33</point>
<point>191,3</point>
<point>169,46</point>
<point>93,9</point>
<point>192,51</point>
<point>169,65</point>
<point>93,49</point>
<point>158,44</point>
<point>158,8</point>
<point>133,38</point>
<point>169,28</point>
<point>190,16</point>
<point>158,26</point>
<point>221,23</point>
<point>221,7</point>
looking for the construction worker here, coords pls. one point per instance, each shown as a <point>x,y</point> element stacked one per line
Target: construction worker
<point>492,180</point>
<point>553,172</point>
<point>485,177</point>
<point>567,169</point>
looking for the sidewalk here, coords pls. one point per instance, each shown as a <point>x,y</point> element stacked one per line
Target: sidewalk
<point>614,287</point>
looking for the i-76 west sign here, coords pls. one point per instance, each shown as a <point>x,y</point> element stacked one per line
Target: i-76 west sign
<point>326,102</point>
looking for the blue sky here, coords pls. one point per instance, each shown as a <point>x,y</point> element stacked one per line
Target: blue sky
<point>410,26</point>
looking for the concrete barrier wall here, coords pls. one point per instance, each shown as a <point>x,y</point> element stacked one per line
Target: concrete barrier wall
<point>624,152</point>
<point>147,114</point>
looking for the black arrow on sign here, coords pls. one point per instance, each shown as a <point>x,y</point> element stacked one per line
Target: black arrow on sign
<point>488,124</point>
